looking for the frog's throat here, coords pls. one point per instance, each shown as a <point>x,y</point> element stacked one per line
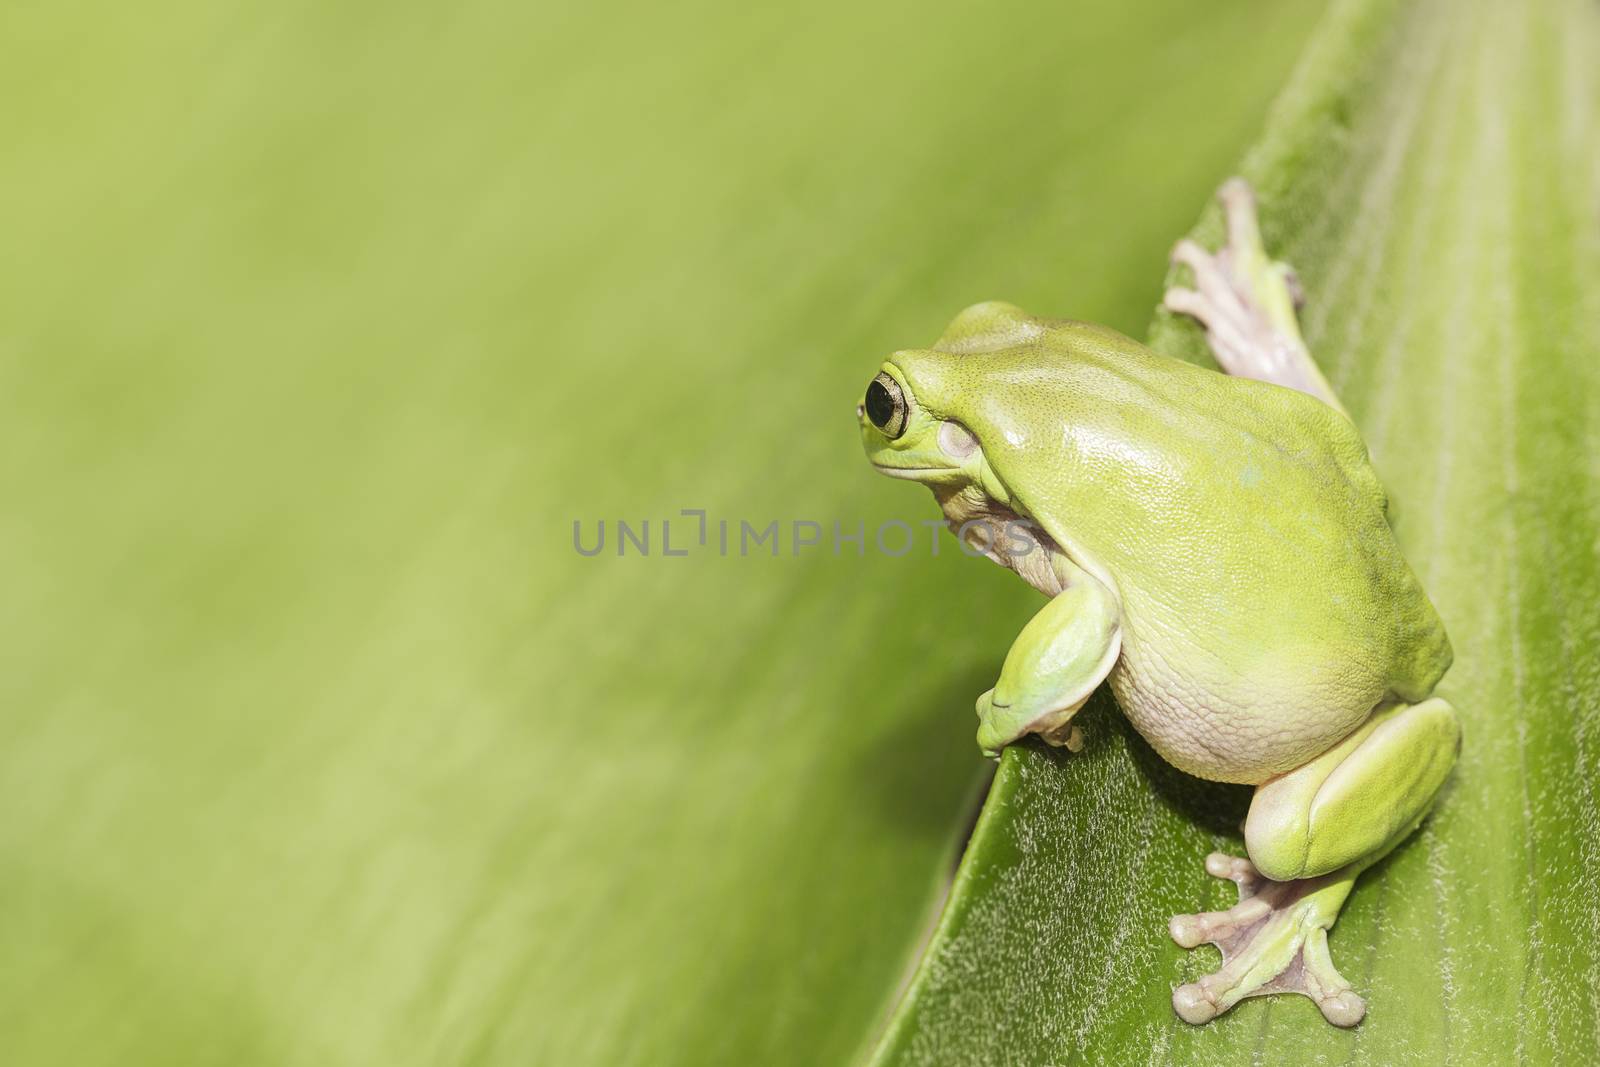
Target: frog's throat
<point>1008,536</point>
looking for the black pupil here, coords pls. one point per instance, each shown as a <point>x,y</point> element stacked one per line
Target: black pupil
<point>880,404</point>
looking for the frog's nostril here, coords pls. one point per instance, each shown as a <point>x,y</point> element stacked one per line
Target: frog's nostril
<point>861,410</point>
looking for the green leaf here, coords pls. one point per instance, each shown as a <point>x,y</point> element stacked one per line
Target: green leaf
<point>1433,171</point>
<point>320,324</point>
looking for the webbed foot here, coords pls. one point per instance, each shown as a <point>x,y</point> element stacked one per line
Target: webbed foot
<point>1247,302</point>
<point>1275,940</point>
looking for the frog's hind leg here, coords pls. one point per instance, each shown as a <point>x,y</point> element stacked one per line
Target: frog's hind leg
<point>1247,302</point>
<point>1310,833</point>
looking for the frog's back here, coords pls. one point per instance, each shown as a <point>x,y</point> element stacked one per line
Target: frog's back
<point>1267,606</point>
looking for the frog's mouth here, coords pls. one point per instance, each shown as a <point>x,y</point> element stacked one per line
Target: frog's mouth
<point>916,473</point>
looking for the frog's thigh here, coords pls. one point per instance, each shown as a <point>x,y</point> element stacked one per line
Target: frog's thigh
<point>1357,800</point>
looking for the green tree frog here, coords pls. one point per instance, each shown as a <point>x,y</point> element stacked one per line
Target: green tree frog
<point>1217,548</point>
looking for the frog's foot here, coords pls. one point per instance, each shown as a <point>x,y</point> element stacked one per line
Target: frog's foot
<point>1275,940</point>
<point>1247,302</point>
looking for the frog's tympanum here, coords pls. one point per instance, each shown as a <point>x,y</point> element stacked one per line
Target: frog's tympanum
<point>1216,547</point>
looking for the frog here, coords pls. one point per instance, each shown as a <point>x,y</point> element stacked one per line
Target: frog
<point>1215,546</point>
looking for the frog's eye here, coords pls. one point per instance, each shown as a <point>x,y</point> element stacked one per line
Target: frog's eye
<point>886,406</point>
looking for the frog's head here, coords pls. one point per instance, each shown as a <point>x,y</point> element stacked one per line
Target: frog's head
<point>940,415</point>
<point>909,435</point>
<point>925,415</point>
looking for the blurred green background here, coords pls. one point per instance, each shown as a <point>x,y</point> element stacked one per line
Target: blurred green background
<point>319,327</point>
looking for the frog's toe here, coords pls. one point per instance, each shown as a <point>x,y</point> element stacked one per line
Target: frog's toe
<point>1067,735</point>
<point>1275,940</point>
<point>1239,213</point>
<point>1218,289</point>
<point>1323,983</point>
<point>1230,323</point>
<point>1194,1004</point>
<point>1187,302</point>
<point>1236,869</point>
<point>1192,930</point>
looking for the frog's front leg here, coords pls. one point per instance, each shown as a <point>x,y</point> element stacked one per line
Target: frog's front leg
<point>1309,834</point>
<point>1247,303</point>
<point>1062,654</point>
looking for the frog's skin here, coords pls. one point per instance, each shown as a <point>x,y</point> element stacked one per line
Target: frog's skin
<point>1217,548</point>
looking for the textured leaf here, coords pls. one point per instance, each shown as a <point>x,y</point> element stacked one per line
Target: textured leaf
<point>319,326</point>
<point>1433,170</point>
